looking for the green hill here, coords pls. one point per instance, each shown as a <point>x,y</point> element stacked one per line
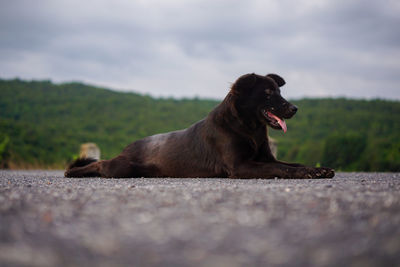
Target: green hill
<point>42,125</point>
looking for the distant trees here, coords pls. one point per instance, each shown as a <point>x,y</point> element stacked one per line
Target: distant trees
<point>343,151</point>
<point>4,151</point>
<point>43,124</point>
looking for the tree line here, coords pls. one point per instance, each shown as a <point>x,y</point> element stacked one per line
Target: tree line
<point>42,125</point>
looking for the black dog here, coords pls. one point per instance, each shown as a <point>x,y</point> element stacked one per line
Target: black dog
<point>231,141</point>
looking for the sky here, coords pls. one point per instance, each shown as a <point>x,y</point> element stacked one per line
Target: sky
<point>198,48</point>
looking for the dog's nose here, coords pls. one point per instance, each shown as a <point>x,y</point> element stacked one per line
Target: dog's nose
<point>293,108</point>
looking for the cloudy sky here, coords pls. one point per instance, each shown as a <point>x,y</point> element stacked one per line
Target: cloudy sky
<point>193,48</point>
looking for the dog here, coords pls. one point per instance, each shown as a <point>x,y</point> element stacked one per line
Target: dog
<point>231,142</point>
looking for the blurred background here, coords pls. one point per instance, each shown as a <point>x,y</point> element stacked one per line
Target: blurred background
<point>111,72</point>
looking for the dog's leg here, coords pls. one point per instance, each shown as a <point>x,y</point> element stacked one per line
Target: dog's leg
<point>123,167</point>
<point>272,170</point>
<point>91,170</point>
<point>290,164</point>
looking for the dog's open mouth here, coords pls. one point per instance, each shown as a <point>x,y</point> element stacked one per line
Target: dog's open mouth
<point>275,121</point>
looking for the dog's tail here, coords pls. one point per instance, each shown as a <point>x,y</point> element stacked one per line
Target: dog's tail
<point>80,162</point>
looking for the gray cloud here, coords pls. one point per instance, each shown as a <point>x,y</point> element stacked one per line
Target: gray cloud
<point>188,48</point>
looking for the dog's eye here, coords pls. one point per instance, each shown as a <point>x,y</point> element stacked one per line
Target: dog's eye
<point>269,91</point>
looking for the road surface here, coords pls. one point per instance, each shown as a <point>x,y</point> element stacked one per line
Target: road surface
<point>48,220</point>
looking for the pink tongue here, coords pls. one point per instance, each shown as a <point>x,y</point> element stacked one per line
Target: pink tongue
<point>281,122</point>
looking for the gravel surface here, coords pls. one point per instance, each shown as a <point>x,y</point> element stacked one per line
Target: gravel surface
<point>48,220</point>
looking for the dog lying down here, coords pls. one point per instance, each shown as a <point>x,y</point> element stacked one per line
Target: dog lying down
<point>231,141</point>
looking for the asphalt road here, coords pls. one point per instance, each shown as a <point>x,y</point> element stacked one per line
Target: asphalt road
<point>48,220</point>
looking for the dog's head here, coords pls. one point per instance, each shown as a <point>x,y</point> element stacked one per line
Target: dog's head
<point>261,97</point>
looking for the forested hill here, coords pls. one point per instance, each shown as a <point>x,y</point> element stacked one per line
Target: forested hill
<point>43,124</point>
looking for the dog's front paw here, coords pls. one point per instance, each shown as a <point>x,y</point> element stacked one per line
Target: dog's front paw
<point>324,172</point>
<point>317,173</point>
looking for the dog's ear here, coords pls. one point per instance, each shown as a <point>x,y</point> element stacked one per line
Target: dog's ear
<point>244,82</point>
<point>278,79</point>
